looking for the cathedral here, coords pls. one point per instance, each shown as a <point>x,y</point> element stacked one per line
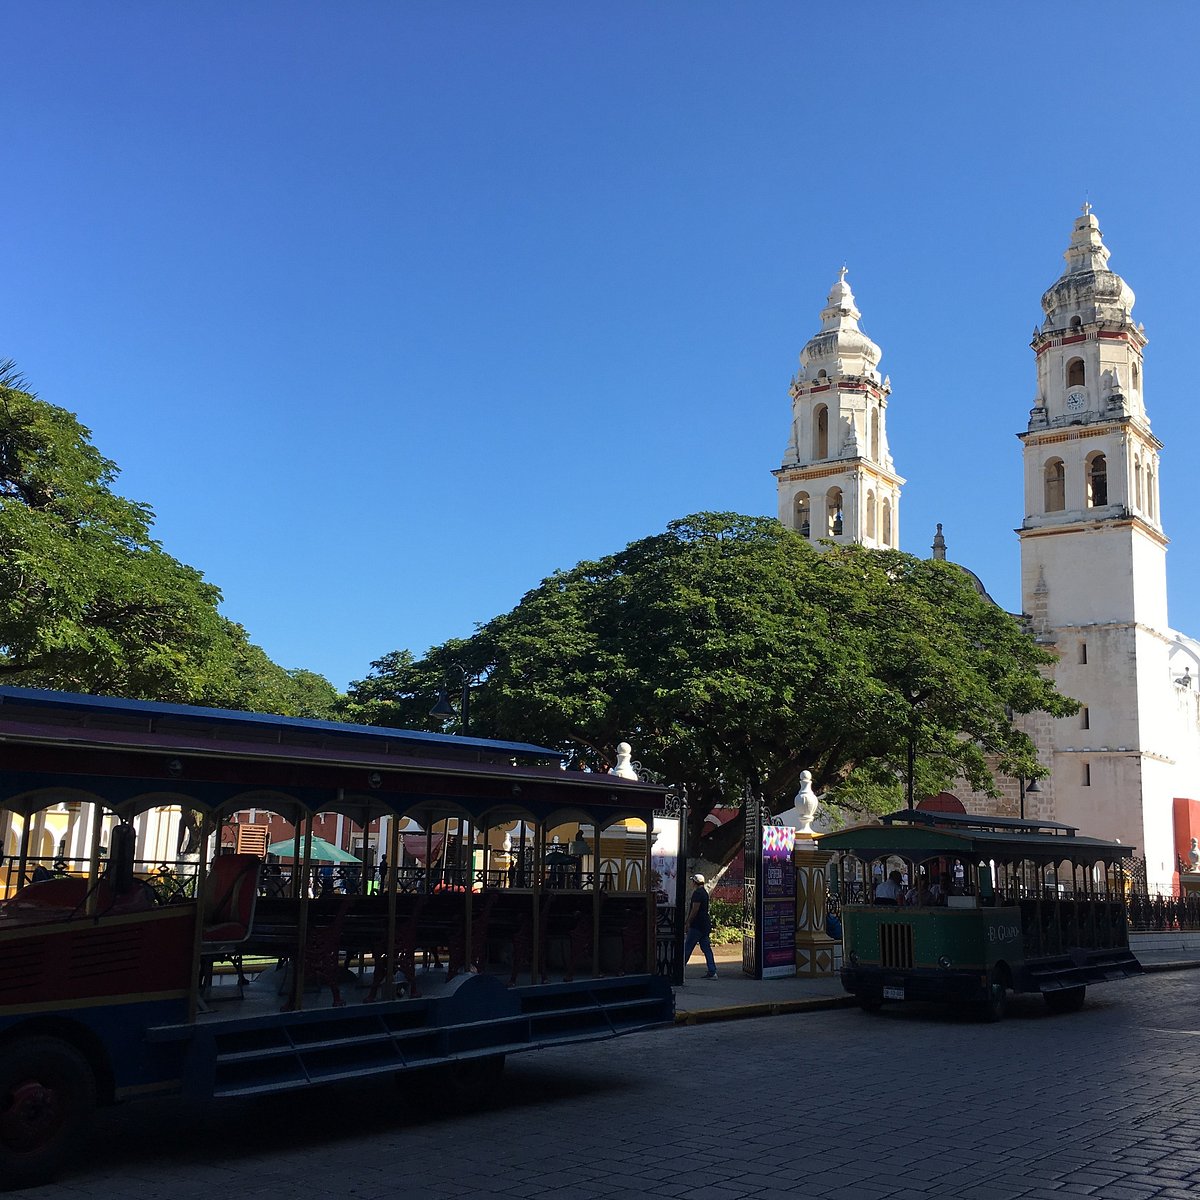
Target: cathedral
<point>1093,550</point>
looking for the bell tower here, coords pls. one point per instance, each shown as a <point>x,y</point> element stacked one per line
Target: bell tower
<point>1093,552</point>
<point>837,480</point>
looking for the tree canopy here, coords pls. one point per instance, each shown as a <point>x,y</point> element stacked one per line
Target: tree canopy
<point>90,601</point>
<point>733,655</point>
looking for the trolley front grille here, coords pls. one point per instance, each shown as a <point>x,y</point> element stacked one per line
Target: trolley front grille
<point>895,944</point>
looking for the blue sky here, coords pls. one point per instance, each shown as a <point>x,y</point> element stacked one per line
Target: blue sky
<point>391,309</point>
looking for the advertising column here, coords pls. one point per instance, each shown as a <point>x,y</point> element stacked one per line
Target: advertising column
<point>769,933</point>
<point>777,890</point>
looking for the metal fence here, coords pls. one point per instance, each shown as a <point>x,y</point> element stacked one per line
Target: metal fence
<point>169,883</point>
<point>1162,914</point>
<point>1151,912</point>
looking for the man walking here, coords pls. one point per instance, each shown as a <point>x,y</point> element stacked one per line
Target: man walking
<point>699,926</point>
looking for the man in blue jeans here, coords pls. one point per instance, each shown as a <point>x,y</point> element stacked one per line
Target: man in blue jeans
<point>699,926</point>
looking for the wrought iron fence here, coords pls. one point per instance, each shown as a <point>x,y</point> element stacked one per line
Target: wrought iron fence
<point>1151,912</point>
<point>1161,914</point>
<point>169,883</point>
<point>665,940</point>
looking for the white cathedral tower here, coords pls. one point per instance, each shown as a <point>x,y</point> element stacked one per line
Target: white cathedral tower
<point>1093,559</point>
<point>837,480</point>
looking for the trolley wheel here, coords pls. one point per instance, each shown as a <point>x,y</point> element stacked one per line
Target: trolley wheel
<point>993,1006</point>
<point>47,1093</point>
<point>1065,1000</point>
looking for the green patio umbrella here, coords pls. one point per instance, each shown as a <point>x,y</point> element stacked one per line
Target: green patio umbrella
<point>322,851</point>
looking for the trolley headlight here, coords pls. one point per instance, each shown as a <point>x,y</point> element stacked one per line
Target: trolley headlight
<point>943,962</point>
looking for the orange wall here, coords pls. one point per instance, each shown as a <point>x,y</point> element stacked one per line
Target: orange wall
<point>1187,826</point>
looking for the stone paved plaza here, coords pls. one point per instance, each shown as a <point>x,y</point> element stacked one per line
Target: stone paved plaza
<point>909,1104</point>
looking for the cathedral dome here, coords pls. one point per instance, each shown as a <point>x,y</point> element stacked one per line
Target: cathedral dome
<point>1087,289</point>
<point>841,348</point>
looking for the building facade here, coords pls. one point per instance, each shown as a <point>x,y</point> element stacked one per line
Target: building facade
<point>1093,569</point>
<point>1093,550</point>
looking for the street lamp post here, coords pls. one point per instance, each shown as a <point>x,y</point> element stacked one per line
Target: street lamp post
<point>1028,788</point>
<point>444,710</point>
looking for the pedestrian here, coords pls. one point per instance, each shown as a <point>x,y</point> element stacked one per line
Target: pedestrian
<point>699,926</point>
<point>324,881</point>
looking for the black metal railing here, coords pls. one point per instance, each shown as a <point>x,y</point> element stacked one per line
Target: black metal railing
<point>170,883</point>
<point>665,940</point>
<point>1162,914</point>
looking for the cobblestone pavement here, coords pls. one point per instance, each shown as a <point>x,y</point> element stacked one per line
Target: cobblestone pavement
<point>910,1103</point>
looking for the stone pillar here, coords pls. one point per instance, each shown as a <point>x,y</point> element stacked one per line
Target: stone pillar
<point>814,947</point>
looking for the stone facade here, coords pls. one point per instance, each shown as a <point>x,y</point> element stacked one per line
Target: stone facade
<point>1093,564</point>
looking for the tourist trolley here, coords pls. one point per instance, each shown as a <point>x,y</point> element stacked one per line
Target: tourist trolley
<point>142,954</point>
<point>990,904</point>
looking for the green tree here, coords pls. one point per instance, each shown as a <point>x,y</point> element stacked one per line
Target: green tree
<point>400,689</point>
<point>90,601</point>
<point>733,655</point>
<point>251,681</point>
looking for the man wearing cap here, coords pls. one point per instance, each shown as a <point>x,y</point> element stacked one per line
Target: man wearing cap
<point>699,926</point>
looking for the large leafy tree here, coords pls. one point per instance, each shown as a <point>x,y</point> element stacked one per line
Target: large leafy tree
<point>733,655</point>
<point>250,680</point>
<point>90,601</point>
<point>401,689</point>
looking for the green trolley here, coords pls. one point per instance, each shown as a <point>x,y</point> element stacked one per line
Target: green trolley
<point>987,906</point>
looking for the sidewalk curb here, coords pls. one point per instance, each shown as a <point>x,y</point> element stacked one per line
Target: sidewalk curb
<point>775,1008</point>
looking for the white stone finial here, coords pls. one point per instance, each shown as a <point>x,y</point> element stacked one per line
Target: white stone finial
<point>840,311</point>
<point>840,343</point>
<point>624,768</point>
<point>1087,251</point>
<point>806,805</point>
<point>1194,856</point>
<point>1087,289</point>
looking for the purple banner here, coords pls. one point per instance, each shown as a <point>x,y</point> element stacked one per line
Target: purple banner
<point>778,892</point>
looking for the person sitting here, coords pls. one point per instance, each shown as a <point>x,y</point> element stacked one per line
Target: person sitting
<point>891,890</point>
<point>943,888</point>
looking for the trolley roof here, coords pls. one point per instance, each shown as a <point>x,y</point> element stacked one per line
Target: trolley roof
<point>134,754</point>
<point>112,712</point>
<point>918,835</point>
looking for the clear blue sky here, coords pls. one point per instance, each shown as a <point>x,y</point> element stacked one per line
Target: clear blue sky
<point>388,310</point>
